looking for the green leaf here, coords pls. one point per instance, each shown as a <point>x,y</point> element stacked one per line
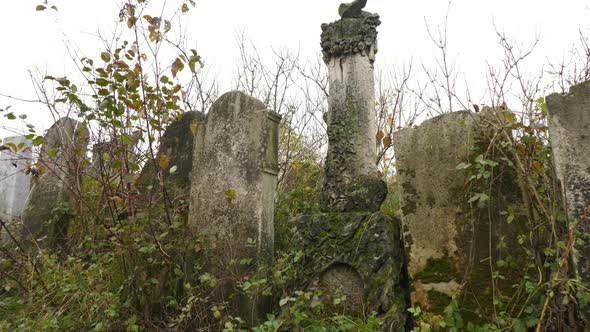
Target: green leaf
<point>105,56</point>
<point>52,152</point>
<point>101,82</point>
<point>40,8</point>
<point>284,301</point>
<point>177,66</point>
<point>463,166</point>
<point>131,22</point>
<point>193,60</point>
<point>38,141</point>
<point>12,147</point>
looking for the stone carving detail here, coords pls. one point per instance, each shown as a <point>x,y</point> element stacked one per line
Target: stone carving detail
<point>569,131</point>
<point>351,35</point>
<point>360,255</point>
<point>234,177</point>
<point>353,9</point>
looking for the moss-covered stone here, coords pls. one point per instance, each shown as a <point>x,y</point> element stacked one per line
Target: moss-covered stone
<point>369,245</point>
<point>438,301</point>
<point>437,270</point>
<point>451,242</point>
<point>349,36</point>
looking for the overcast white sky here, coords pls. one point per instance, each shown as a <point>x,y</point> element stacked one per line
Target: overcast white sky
<point>31,39</point>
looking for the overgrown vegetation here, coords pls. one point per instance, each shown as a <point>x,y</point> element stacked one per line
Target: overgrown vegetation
<point>131,268</point>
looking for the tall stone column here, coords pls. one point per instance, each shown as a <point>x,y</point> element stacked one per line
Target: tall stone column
<point>352,248</point>
<point>569,131</point>
<point>349,46</point>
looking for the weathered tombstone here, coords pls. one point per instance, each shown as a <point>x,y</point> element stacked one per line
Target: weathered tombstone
<point>569,131</point>
<point>14,183</point>
<point>49,204</point>
<point>233,182</point>
<point>447,239</point>
<point>175,156</point>
<point>353,249</point>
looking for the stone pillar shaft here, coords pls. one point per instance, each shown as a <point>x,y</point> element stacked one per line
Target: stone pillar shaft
<point>351,183</point>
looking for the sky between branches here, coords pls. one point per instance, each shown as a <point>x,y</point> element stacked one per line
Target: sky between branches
<point>35,40</point>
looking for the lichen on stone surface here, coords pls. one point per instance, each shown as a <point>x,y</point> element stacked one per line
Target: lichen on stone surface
<point>371,245</point>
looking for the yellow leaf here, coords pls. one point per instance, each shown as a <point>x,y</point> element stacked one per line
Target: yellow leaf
<point>379,135</point>
<point>386,141</point>
<point>131,22</point>
<point>194,126</point>
<point>163,161</point>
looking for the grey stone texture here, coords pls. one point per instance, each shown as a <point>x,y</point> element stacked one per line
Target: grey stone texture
<point>351,183</point>
<point>14,183</point>
<point>51,200</point>
<point>447,239</point>
<point>360,255</point>
<point>177,148</point>
<point>353,9</point>
<point>569,131</point>
<point>234,177</point>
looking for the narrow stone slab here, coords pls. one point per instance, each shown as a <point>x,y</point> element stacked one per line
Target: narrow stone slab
<point>177,152</point>
<point>569,132</point>
<point>232,191</point>
<point>14,183</point>
<point>447,239</point>
<point>359,255</point>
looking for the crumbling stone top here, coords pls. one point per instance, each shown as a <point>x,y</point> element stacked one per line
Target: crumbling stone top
<point>353,9</point>
<point>354,33</point>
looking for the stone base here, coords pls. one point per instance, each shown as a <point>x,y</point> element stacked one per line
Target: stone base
<point>360,255</point>
<point>365,193</point>
<point>47,215</point>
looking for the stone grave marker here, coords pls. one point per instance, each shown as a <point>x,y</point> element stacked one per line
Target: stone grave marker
<point>233,182</point>
<point>569,132</point>
<point>47,213</point>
